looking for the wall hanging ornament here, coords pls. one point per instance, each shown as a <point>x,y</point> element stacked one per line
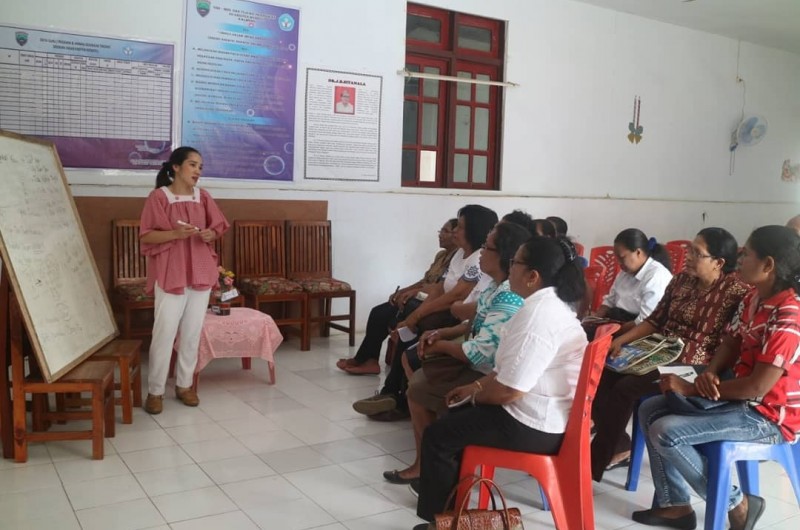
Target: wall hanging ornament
<point>636,130</point>
<point>790,172</point>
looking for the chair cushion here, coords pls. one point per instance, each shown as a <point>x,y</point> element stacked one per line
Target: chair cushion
<point>324,285</point>
<point>133,292</point>
<point>268,285</point>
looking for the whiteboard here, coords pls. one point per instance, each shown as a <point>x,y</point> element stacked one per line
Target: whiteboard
<point>47,256</point>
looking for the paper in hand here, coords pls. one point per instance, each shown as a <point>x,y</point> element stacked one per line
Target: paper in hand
<point>405,334</point>
<point>685,372</point>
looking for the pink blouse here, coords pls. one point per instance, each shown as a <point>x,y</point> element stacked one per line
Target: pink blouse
<point>181,263</point>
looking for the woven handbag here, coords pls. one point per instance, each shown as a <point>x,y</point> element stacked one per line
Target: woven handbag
<point>465,519</point>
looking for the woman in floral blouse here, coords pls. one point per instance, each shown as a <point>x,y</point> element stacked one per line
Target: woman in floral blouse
<point>696,307</point>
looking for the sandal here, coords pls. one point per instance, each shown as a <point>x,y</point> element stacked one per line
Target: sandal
<point>395,478</point>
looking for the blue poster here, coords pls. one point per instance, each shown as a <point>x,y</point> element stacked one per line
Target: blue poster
<point>239,82</point>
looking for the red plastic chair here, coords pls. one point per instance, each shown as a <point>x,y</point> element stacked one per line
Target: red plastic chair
<point>605,256</point>
<point>677,257</point>
<point>565,477</point>
<point>593,274</point>
<point>685,245</point>
<point>578,247</point>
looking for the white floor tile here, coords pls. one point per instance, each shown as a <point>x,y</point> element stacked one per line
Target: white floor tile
<point>197,432</point>
<point>323,479</point>
<point>63,521</point>
<point>370,470</point>
<point>215,449</point>
<point>320,432</point>
<point>346,504</point>
<point>393,442</point>
<point>348,450</point>
<point>16,508</point>
<point>26,478</point>
<point>268,442</point>
<point>193,504</point>
<point>261,491</point>
<point>141,440</point>
<point>112,490</point>
<point>293,515</point>
<point>82,470</point>
<point>173,480</point>
<point>130,515</point>
<point>249,425</point>
<point>176,413</point>
<point>295,459</point>
<point>159,458</point>
<point>237,469</point>
<point>226,521</point>
<point>78,449</point>
<point>394,520</point>
<point>37,455</point>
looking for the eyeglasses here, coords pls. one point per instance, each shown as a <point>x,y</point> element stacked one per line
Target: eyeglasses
<point>513,262</point>
<point>490,249</point>
<point>697,255</point>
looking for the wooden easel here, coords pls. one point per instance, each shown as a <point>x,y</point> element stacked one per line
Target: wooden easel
<point>6,423</point>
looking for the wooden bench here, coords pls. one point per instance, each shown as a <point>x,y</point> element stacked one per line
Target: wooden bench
<point>128,358</point>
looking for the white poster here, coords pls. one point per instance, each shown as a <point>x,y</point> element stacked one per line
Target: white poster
<point>343,125</point>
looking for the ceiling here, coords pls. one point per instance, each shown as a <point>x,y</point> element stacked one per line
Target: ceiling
<point>773,23</point>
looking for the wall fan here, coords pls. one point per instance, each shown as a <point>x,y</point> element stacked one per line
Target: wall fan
<point>750,131</point>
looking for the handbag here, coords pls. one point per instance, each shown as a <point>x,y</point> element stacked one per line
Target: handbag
<point>465,519</point>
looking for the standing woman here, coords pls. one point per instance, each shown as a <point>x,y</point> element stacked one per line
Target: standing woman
<point>178,226</point>
<point>762,345</point>
<point>639,286</point>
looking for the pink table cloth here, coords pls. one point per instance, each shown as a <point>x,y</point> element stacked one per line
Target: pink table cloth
<point>244,333</point>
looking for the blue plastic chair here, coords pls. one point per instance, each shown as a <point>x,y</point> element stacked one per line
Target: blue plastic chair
<point>746,455</point>
<point>637,448</point>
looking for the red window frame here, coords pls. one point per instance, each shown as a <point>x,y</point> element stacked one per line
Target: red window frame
<point>451,59</point>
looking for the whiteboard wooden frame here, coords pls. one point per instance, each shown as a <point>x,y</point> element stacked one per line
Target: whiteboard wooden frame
<point>107,330</point>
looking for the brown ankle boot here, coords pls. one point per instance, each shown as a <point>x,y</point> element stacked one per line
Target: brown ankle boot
<point>154,404</point>
<point>188,396</point>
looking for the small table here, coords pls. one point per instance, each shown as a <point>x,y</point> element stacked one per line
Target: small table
<point>245,333</point>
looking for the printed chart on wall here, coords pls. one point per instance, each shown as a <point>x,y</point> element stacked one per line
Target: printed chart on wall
<point>104,103</point>
<point>343,126</point>
<point>240,76</point>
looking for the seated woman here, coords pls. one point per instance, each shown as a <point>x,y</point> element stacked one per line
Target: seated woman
<point>761,345</point>
<point>472,359</point>
<point>383,317</point>
<point>474,224</point>
<point>523,405</point>
<point>696,307</point>
<point>639,286</point>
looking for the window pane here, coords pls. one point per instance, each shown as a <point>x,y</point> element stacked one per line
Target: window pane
<point>412,83</point>
<point>430,87</point>
<point>430,123</point>
<point>474,38</point>
<point>480,141</point>
<point>427,166</point>
<point>482,91</point>
<point>479,169</point>
<point>423,28</point>
<point>409,122</point>
<point>462,126</point>
<point>464,90</point>
<point>461,168</point>
<point>409,166</point>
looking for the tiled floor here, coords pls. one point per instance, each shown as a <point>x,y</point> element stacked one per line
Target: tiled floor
<point>290,456</point>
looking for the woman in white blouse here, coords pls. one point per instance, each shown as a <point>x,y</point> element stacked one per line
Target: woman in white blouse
<point>641,283</point>
<point>523,405</point>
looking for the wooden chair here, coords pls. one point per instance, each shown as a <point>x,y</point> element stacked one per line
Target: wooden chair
<point>309,264</point>
<point>129,267</point>
<point>127,356</point>
<point>677,256</point>
<point>260,265</point>
<point>97,378</point>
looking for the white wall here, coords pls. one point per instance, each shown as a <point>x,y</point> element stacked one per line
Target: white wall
<point>565,149</point>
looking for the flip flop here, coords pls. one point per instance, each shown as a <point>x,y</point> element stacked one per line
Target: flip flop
<point>625,462</point>
<point>395,478</point>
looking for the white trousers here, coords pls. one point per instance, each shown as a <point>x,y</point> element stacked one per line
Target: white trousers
<point>172,312</point>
